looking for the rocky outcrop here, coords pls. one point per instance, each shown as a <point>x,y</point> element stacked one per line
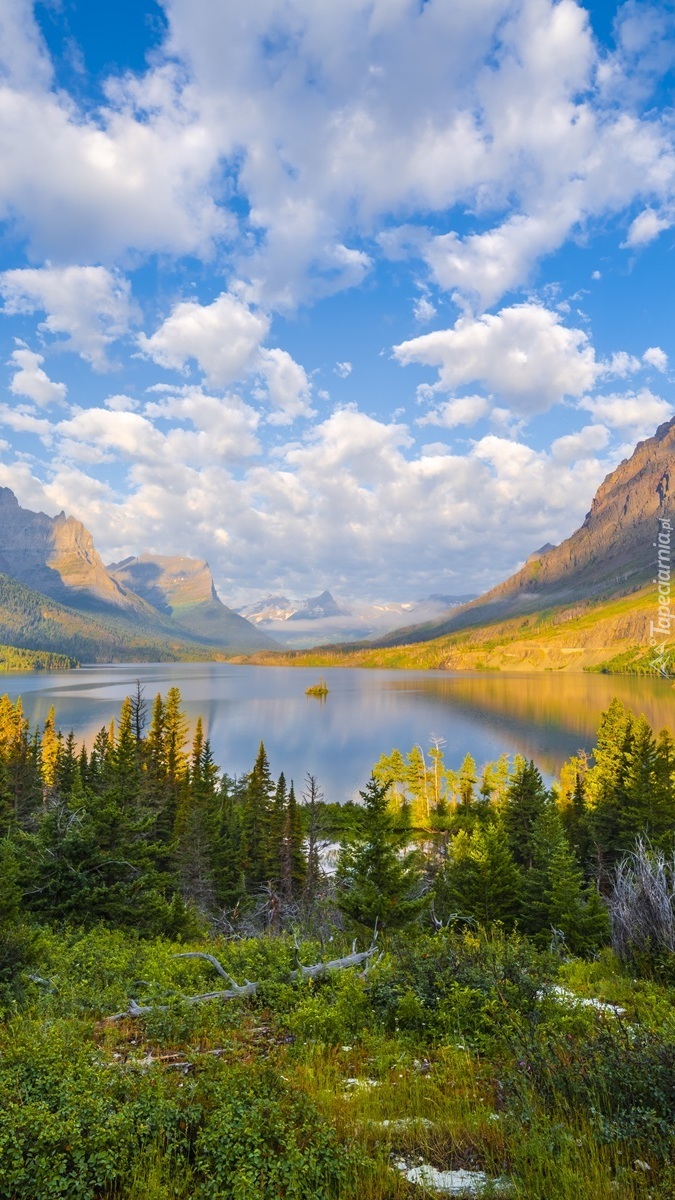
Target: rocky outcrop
<point>614,548</point>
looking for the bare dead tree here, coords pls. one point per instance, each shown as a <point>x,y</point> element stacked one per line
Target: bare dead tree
<point>311,798</point>
<point>139,712</point>
<point>642,903</point>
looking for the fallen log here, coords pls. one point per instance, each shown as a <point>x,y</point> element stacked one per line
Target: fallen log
<point>238,991</point>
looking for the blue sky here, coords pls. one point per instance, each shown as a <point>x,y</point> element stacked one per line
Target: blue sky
<point>367,296</point>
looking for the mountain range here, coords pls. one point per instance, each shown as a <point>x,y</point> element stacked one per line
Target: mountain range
<point>325,619</point>
<point>57,594</point>
<point>612,553</point>
<point>588,603</point>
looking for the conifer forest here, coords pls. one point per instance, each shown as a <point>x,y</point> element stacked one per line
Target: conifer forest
<point>223,987</point>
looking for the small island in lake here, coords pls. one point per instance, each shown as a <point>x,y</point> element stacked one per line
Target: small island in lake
<point>319,689</point>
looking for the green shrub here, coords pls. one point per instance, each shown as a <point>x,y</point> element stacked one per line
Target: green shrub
<point>265,1141</point>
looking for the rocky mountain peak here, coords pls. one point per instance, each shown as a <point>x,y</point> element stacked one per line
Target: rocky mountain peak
<point>166,581</point>
<point>55,556</point>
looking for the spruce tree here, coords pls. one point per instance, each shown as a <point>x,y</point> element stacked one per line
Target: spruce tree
<point>197,827</point>
<point>526,800</point>
<point>605,787</point>
<point>554,895</point>
<point>277,825</point>
<point>376,881</point>
<point>293,858</point>
<point>467,782</point>
<point>312,797</point>
<point>576,821</point>
<point>256,815</point>
<point>480,879</point>
<point>639,812</point>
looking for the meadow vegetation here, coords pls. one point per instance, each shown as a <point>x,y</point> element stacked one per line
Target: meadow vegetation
<point>513,1017</point>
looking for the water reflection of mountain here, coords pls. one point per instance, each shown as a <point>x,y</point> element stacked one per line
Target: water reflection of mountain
<point>547,716</point>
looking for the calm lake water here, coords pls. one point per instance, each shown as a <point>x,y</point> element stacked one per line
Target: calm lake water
<point>546,717</point>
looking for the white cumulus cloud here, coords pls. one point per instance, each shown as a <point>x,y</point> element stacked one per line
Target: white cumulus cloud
<point>636,412</point>
<point>32,381</point>
<point>523,354</point>
<point>222,338</point>
<point>656,357</point>
<point>88,308</point>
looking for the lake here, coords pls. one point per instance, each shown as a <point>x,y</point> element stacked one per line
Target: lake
<point>546,716</point>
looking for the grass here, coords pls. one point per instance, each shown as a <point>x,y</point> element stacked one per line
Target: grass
<point>457,1065</point>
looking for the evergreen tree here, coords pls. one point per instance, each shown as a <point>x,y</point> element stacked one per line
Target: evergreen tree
<point>139,712</point>
<point>554,896</point>
<point>375,880</point>
<point>312,798</point>
<point>640,811</point>
<point>256,816</point>
<point>605,787</point>
<point>228,856</point>
<point>197,826</point>
<point>49,754</point>
<point>480,879</point>
<point>575,817</point>
<point>293,860</point>
<point>277,825</point>
<point>175,737</point>
<point>526,800</point>
<point>417,784</point>
<point>391,769</point>
<point>467,782</point>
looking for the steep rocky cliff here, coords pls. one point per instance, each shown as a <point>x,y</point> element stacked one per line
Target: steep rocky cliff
<point>57,556</point>
<point>611,554</point>
<point>183,589</point>
<point>158,606</point>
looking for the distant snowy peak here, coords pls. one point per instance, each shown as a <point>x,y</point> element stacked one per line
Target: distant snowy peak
<point>270,608</point>
<point>317,607</point>
<point>280,608</point>
<point>325,618</point>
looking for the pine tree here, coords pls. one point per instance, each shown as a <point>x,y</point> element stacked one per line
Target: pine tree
<point>575,818</point>
<point>256,815</point>
<point>526,800</point>
<point>139,712</point>
<point>375,881</point>
<point>480,879</point>
<point>417,783</point>
<point>467,782</point>
<point>554,896</point>
<point>49,757</point>
<point>391,769</point>
<point>312,798</point>
<point>605,787</point>
<point>175,737</point>
<point>228,856</point>
<point>277,825</point>
<point>639,813</point>
<point>197,826</point>
<point>293,859</point>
